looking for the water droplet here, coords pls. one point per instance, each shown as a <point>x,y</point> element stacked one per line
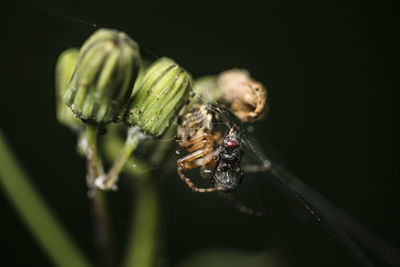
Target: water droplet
<point>266,164</point>
<point>90,193</point>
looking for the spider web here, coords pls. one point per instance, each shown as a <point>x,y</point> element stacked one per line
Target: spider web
<point>349,233</point>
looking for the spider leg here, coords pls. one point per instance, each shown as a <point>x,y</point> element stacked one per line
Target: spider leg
<point>192,161</point>
<point>195,188</point>
<point>188,161</point>
<point>208,142</point>
<point>198,145</point>
<point>206,160</point>
<point>255,168</point>
<point>242,208</point>
<point>193,140</point>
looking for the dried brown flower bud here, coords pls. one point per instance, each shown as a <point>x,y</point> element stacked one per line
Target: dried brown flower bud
<point>246,96</point>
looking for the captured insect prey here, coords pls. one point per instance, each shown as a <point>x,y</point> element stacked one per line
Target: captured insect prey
<point>228,173</point>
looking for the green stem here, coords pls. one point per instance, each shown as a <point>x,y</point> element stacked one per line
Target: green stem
<point>142,241</point>
<point>113,145</point>
<point>142,246</point>
<point>94,164</point>
<point>108,182</point>
<point>101,221</point>
<point>35,213</point>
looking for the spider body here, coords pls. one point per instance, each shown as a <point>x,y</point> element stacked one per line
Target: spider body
<point>200,119</point>
<point>196,133</point>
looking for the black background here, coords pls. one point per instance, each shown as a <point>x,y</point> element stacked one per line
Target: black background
<point>332,75</point>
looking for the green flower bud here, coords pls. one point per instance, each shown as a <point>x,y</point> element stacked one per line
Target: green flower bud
<point>145,65</point>
<point>162,92</point>
<point>103,79</point>
<point>64,68</point>
<point>205,88</point>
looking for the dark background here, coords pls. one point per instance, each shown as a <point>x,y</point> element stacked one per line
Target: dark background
<point>332,76</point>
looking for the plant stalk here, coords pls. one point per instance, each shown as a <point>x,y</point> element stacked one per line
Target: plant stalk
<point>143,242</point>
<point>103,238</point>
<point>109,181</point>
<point>35,213</point>
<point>142,246</point>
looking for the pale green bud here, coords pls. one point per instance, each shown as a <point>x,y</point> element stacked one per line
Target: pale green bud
<point>206,88</point>
<point>162,92</point>
<point>64,68</point>
<point>103,79</point>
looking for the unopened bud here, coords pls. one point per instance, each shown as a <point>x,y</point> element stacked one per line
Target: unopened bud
<point>235,88</point>
<point>103,79</point>
<point>246,96</point>
<point>206,88</point>
<point>164,89</point>
<point>64,68</point>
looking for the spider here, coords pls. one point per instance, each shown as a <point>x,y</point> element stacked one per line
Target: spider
<point>196,132</point>
<point>218,158</point>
